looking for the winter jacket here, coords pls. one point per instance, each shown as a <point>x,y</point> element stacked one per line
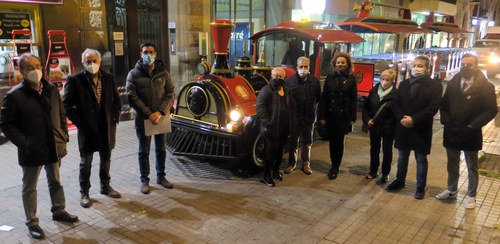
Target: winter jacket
<point>304,97</point>
<point>385,123</point>
<point>272,111</point>
<point>463,114</point>
<point>149,92</point>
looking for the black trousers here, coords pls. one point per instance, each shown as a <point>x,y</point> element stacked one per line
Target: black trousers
<point>376,141</point>
<point>336,144</point>
<point>274,154</point>
<point>86,165</point>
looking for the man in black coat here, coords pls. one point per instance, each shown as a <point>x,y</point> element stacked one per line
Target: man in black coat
<point>469,103</point>
<point>305,92</point>
<point>418,100</point>
<point>32,118</point>
<point>150,92</point>
<point>93,105</point>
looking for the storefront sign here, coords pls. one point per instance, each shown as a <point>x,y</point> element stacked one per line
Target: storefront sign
<point>35,1</point>
<point>240,34</point>
<point>13,21</point>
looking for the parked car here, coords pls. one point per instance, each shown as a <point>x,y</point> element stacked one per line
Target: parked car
<point>488,53</point>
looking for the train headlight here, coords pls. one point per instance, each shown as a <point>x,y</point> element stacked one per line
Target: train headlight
<point>235,115</point>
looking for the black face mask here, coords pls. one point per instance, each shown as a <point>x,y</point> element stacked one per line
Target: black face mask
<point>466,72</point>
<point>279,82</point>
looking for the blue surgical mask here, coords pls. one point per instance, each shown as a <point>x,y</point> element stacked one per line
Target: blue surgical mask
<point>148,59</point>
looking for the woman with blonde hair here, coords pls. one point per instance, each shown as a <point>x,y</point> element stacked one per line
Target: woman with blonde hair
<point>378,119</point>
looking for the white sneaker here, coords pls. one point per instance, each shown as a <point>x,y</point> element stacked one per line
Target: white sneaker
<point>470,202</point>
<point>447,194</point>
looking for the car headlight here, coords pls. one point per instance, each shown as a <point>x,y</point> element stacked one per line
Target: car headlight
<point>236,115</point>
<point>494,59</point>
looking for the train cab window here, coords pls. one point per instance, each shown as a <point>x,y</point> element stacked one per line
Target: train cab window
<point>294,50</point>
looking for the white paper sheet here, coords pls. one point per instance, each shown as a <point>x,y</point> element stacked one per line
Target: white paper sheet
<point>162,127</point>
<point>6,228</point>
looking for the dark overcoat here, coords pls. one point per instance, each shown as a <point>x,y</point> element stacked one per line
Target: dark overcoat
<point>35,123</point>
<point>463,114</point>
<point>338,104</point>
<point>86,113</point>
<point>385,123</point>
<point>419,98</point>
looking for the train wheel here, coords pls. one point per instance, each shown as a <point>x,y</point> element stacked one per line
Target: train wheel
<point>257,152</point>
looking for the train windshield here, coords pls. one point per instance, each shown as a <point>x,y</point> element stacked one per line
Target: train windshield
<point>283,49</point>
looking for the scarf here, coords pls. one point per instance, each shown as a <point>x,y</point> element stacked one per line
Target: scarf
<point>382,93</point>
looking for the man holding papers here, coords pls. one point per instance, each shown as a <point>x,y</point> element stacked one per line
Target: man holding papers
<point>150,92</point>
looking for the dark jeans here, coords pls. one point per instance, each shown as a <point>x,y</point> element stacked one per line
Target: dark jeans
<point>274,154</point>
<point>336,149</point>
<point>376,140</point>
<point>86,165</point>
<point>144,148</point>
<point>422,165</point>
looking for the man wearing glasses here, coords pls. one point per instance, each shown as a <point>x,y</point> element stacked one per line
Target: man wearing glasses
<point>150,92</point>
<point>32,118</point>
<point>305,93</point>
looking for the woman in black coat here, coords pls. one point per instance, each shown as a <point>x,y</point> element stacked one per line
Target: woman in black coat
<point>272,110</point>
<point>338,107</point>
<point>377,116</point>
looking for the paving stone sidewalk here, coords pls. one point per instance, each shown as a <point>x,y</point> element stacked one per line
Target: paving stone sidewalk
<point>301,209</point>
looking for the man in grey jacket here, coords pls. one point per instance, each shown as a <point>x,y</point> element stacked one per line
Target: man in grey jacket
<point>150,92</point>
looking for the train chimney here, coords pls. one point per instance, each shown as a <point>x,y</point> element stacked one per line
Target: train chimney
<point>221,32</point>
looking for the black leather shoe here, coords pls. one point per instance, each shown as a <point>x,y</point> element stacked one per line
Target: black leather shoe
<point>65,217</point>
<point>85,200</point>
<point>395,186</point>
<point>164,182</point>
<point>332,174</point>
<point>36,232</point>
<point>277,176</point>
<point>110,192</point>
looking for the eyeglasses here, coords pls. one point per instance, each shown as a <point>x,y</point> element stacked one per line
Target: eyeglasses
<point>31,67</point>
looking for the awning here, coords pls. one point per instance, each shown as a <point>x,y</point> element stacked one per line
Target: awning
<point>320,35</point>
<point>381,25</point>
<point>443,27</point>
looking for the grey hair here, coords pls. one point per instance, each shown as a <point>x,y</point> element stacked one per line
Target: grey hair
<point>90,51</point>
<point>303,58</point>
<point>25,57</point>
<point>275,71</point>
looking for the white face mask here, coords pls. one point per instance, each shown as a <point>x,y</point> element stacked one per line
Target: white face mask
<point>417,72</point>
<point>148,59</point>
<point>92,68</point>
<point>303,72</point>
<point>34,76</point>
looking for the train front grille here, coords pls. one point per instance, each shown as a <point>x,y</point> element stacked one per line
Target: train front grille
<point>186,141</point>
